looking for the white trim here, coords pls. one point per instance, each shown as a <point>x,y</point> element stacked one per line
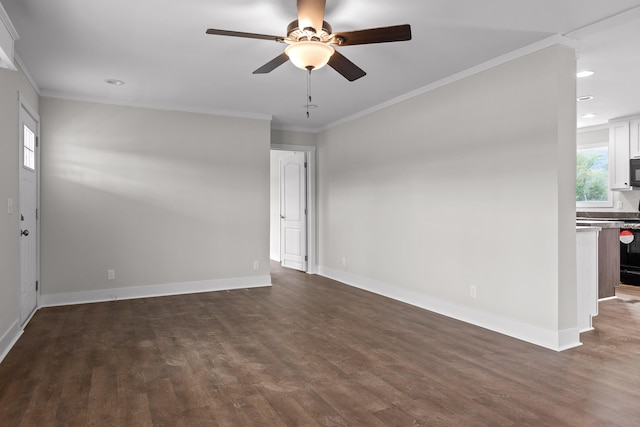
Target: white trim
<point>624,119</point>
<point>312,264</point>
<point>605,24</point>
<point>151,291</point>
<point>26,73</point>
<point>500,60</point>
<point>9,339</point>
<point>287,147</point>
<point>295,128</point>
<point>9,35</point>
<point>4,17</point>
<point>162,107</point>
<point>29,109</point>
<point>607,298</point>
<point>553,340</point>
<point>312,238</point>
<point>568,338</point>
<point>593,128</point>
<point>601,205</point>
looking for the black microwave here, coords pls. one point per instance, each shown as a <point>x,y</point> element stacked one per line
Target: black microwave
<point>634,172</point>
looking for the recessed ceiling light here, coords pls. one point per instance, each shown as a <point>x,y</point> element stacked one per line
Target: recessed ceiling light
<point>585,98</point>
<point>585,73</point>
<point>115,82</point>
<point>588,116</point>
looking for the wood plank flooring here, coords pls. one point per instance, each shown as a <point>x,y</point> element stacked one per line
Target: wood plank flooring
<point>310,352</point>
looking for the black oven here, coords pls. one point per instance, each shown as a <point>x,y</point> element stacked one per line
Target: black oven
<point>630,254</point>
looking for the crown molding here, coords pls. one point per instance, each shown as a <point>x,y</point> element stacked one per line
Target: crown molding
<point>27,74</point>
<point>593,128</point>
<point>8,24</point>
<point>605,24</point>
<point>162,107</point>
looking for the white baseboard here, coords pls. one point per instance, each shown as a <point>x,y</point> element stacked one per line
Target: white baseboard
<point>9,339</point>
<point>554,340</point>
<point>150,291</point>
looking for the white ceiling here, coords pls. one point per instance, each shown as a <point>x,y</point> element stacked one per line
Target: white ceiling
<point>160,49</point>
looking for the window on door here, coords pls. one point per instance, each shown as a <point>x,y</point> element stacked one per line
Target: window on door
<point>592,176</point>
<point>29,147</point>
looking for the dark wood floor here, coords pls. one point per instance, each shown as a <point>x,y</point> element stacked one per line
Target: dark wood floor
<point>310,351</point>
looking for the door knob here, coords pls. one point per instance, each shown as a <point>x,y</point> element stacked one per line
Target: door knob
<point>25,232</point>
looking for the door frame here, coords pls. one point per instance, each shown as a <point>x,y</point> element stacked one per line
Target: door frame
<point>310,151</point>
<point>23,104</point>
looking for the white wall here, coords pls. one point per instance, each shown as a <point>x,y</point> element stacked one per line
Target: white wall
<point>468,185</point>
<point>289,137</point>
<point>160,197</point>
<point>11,82</point>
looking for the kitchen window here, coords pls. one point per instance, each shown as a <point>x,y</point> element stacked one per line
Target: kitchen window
<point>592,176</point>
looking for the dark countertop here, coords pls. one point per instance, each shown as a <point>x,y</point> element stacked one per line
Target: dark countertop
<point>602,223</point>
<point>609,216</point>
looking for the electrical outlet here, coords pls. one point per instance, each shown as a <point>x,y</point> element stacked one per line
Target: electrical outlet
<point>10,206</point>
<point>619,204</point>
<point>344,261</point>
<point>111,274</point>
<point>472,291</point>
<point>256,265</point>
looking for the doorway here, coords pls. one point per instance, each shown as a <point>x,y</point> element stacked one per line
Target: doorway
<point>29,165</point>
<point>293,234</point>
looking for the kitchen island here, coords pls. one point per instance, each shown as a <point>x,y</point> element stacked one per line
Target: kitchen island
<point>608,253</point>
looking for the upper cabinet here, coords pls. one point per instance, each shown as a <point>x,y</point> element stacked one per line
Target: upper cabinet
<point>634,138</point>
<point>619,155</point>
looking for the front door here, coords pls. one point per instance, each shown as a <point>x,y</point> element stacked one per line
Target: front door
<point>28,214</point>
<point>293,211</point>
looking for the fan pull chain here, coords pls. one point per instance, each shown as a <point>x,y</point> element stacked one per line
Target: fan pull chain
<point>308,91</point>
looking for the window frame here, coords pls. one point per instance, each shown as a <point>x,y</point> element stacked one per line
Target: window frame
<point>597,204</point>
<point>28,162</point>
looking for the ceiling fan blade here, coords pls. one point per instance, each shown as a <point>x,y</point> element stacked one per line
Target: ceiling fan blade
<point>396,33</point>
<point>311,14</point>
<point>273,64</point>
<point>348,69</point>
<point>215,32</point>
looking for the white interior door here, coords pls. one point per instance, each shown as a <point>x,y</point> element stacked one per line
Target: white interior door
<point>293,211</point>
<point>28,204</point>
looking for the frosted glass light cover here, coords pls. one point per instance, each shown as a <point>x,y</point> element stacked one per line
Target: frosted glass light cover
<point>312,54</point>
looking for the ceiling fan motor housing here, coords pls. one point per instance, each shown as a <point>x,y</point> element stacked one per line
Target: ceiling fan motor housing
<point>295,33</point>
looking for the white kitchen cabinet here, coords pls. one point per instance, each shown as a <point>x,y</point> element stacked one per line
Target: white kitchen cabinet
<point>634,138</point>
<point>619,139</point>
<point>587,275</point>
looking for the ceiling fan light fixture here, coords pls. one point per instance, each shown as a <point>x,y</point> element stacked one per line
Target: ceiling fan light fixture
<point>309,54</point>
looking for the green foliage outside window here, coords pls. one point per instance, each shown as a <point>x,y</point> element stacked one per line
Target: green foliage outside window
<point>592,175</point>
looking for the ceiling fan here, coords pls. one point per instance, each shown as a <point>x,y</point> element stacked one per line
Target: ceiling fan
<point>311,41</point>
